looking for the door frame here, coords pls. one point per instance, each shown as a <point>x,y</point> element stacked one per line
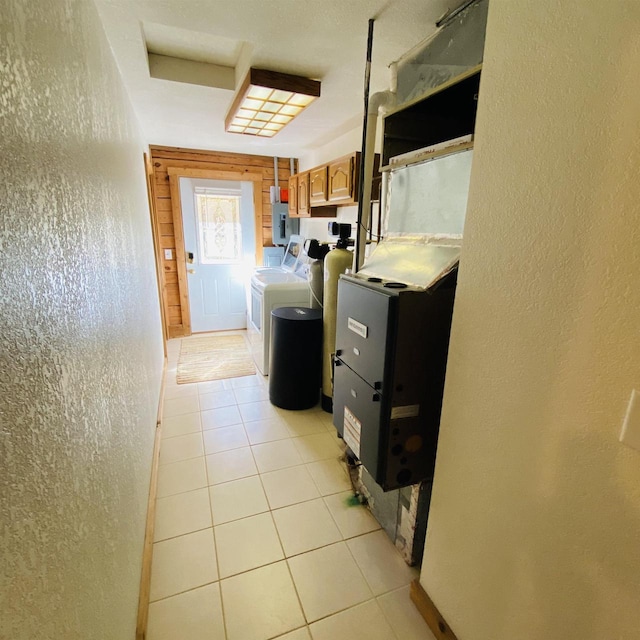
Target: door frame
<point>151,197</point>
<point>175,173</point>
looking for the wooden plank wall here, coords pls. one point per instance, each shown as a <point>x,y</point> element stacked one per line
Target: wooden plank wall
<point>164,157</point>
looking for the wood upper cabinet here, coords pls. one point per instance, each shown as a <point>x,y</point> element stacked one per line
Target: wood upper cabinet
<point>300,192</point>
<point>303,194</point>
<point>342,179</point>
<point>293,196</point>
<point>319,191</point>
<point>318,185</point>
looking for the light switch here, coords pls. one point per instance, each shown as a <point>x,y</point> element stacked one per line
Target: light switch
<point>168,254</point>
<point>630,433</point>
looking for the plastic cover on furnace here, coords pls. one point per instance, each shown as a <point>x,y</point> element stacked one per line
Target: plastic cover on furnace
<point>420,261</point>
<point>428,196</point>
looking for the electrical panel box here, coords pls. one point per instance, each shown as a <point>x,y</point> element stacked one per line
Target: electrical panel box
<point>283,227</point>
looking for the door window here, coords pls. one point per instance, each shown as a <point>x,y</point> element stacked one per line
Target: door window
<point>219,231</point>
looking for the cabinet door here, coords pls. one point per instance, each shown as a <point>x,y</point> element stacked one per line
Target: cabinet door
<point>303,194</point>
<point>293,196</point>
<point>318,185</point>
<point>341,180</point>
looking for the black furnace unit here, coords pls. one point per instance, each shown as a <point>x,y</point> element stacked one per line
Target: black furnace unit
<point>391,355</point>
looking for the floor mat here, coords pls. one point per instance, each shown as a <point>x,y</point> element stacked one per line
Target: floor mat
<point>213,358</point>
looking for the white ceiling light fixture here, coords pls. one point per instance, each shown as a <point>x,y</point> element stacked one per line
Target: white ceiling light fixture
<point>267,101</point>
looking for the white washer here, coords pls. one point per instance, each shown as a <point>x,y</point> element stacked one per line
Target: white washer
<point>271,288</point>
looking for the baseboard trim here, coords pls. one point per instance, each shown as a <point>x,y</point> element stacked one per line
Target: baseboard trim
<point>430,613</point>
<point>147,552</point>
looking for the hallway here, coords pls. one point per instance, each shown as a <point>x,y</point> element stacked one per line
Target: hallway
<point>254,537</point>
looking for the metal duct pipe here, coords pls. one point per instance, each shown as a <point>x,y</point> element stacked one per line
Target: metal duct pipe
<point>367,82</point>
<point>378,101</point>
<point>275,179</point>
<point>382,215</point>
<point>450,14</point>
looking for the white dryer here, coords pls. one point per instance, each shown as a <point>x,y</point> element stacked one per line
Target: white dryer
<point>271,288</point>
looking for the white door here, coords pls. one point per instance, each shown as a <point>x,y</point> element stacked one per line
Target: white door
<point>218,225</point>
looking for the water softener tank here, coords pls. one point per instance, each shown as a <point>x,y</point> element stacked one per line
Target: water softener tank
<point>316,252</point>
<point>335,263</point>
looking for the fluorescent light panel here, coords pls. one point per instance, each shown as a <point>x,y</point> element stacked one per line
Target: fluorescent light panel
<point>267,101</point>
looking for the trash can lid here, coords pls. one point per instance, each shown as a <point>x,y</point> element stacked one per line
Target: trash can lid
<point>297,313</point>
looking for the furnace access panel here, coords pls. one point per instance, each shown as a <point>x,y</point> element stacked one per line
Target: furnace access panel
<point>391,352</point>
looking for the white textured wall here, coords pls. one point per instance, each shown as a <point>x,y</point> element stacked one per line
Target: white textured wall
<point>348,142</point>
<point>81,351</point>
<point>534,529</point>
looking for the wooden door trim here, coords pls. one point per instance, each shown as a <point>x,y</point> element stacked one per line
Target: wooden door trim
<point>438,625</point>
<point>183,287</point>
<point>215,174</point>
<point>151,196</point>
<point>147,549</point>
<point>175,173</point>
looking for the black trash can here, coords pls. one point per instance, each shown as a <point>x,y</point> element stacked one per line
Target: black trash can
<point>295,372</point>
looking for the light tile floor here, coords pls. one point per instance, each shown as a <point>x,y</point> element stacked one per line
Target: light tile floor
<point>254,536</point>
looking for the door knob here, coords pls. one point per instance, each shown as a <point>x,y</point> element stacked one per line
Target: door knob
<point>191,270</point>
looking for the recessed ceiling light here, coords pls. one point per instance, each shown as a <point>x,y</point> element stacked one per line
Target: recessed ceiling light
<point>269,97</point>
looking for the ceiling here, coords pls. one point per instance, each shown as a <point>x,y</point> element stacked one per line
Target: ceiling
<point>323,40</point>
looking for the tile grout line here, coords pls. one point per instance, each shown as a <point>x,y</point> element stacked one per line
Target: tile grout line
<point>270,508</point>
<point>166,464</point>
<point>268,564</point>
<point>203,529</point>
<point>271,511</point>
<point>222,604</point>
<point>179,593</point>
<point>252,475</point>
<point>353,606</point>
<point>213,530</point>
<point>323,498</point>
<point>293,582</point>
<point>287,558</point>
